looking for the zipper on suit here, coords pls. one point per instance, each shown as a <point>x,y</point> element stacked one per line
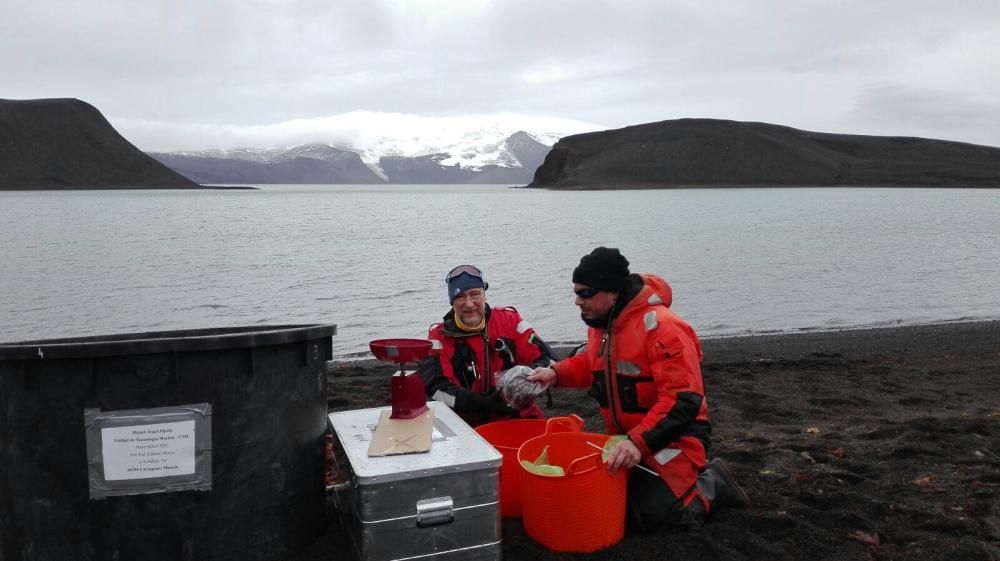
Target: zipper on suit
<point>486,358</point>
<point>612,380</point>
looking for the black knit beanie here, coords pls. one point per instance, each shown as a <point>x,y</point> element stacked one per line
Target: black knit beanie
<point>605,268</point>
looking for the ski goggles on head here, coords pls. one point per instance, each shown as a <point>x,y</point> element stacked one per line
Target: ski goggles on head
<point>466,269</point>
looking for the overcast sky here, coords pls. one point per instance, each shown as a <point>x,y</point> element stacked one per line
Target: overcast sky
<point>177,74</point>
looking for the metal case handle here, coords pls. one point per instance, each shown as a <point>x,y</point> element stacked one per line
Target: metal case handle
<point>433,512</point>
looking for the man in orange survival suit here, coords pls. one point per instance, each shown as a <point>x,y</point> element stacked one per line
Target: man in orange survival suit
<point>642,364</point>
<point>472,345</point>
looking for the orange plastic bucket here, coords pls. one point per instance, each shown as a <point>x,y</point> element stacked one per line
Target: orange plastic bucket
<point>507,436</point>
<point>582,511</point>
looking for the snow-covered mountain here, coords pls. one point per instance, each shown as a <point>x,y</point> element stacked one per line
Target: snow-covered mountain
<point>485,155</point>
<point>314,163</point>
<point>268,155</point>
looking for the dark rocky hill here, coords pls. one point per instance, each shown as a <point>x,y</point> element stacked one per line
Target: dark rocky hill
<point>68,144</point>
<point>708,152</point>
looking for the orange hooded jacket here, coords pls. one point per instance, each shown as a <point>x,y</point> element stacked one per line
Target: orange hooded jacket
<point>646,375</point>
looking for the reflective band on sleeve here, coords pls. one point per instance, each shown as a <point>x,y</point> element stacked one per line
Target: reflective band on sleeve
<point>436,345</point>
<point>654,300</point>
<point>665,455</point>
<point>628,368</point>
<point>523,326</point>
<point>445,398</point>
<point>650,320</point>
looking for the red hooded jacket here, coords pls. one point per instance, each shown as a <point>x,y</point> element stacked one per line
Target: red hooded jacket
<point>463,368</point>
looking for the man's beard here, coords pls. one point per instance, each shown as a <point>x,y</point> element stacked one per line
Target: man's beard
<point>472,319</point>
<point>599,322</point>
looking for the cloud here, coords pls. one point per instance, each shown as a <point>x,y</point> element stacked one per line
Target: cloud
<point>227,65</point>
<point>400,133</point>
<point>935,113</point>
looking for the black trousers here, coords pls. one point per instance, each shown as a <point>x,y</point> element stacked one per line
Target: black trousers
<point>652,507</point>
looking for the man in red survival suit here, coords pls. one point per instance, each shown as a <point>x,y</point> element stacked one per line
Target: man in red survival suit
<point>472,345</point>
<point>642,364</point>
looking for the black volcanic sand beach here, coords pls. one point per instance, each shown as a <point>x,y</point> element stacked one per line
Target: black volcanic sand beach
<point>853,445</point>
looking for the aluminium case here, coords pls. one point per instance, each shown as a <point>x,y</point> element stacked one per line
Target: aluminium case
<point>441,505</point>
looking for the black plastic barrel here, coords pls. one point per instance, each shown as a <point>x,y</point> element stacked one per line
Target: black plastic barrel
<point>266,387</point>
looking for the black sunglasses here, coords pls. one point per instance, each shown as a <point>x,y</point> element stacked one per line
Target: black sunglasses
<point>586,293</point>
<point>466,269</point>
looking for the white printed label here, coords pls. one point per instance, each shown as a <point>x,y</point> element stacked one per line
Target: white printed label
<point>144,451</point>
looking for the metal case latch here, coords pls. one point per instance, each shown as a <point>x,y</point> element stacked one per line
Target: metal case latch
<point>431,512</point>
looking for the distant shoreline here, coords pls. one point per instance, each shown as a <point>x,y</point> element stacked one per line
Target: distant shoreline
<point>199,188</point>
<point>606,187</point>
<point>652,186</point>
<point>769,339</point>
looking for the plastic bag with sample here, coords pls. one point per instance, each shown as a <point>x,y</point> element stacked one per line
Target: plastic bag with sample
<point>517,391</point>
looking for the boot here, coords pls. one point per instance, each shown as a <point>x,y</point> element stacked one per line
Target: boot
<point>719,486</point>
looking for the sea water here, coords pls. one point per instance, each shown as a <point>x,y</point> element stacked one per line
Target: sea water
<point>372,259</point>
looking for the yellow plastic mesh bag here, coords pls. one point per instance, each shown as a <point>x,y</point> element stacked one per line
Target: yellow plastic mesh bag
<point>541,466</point>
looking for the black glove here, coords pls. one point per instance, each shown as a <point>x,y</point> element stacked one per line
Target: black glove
<point>491,404</point>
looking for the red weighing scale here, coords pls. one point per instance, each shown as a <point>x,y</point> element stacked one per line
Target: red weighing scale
<point>408,398</point>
